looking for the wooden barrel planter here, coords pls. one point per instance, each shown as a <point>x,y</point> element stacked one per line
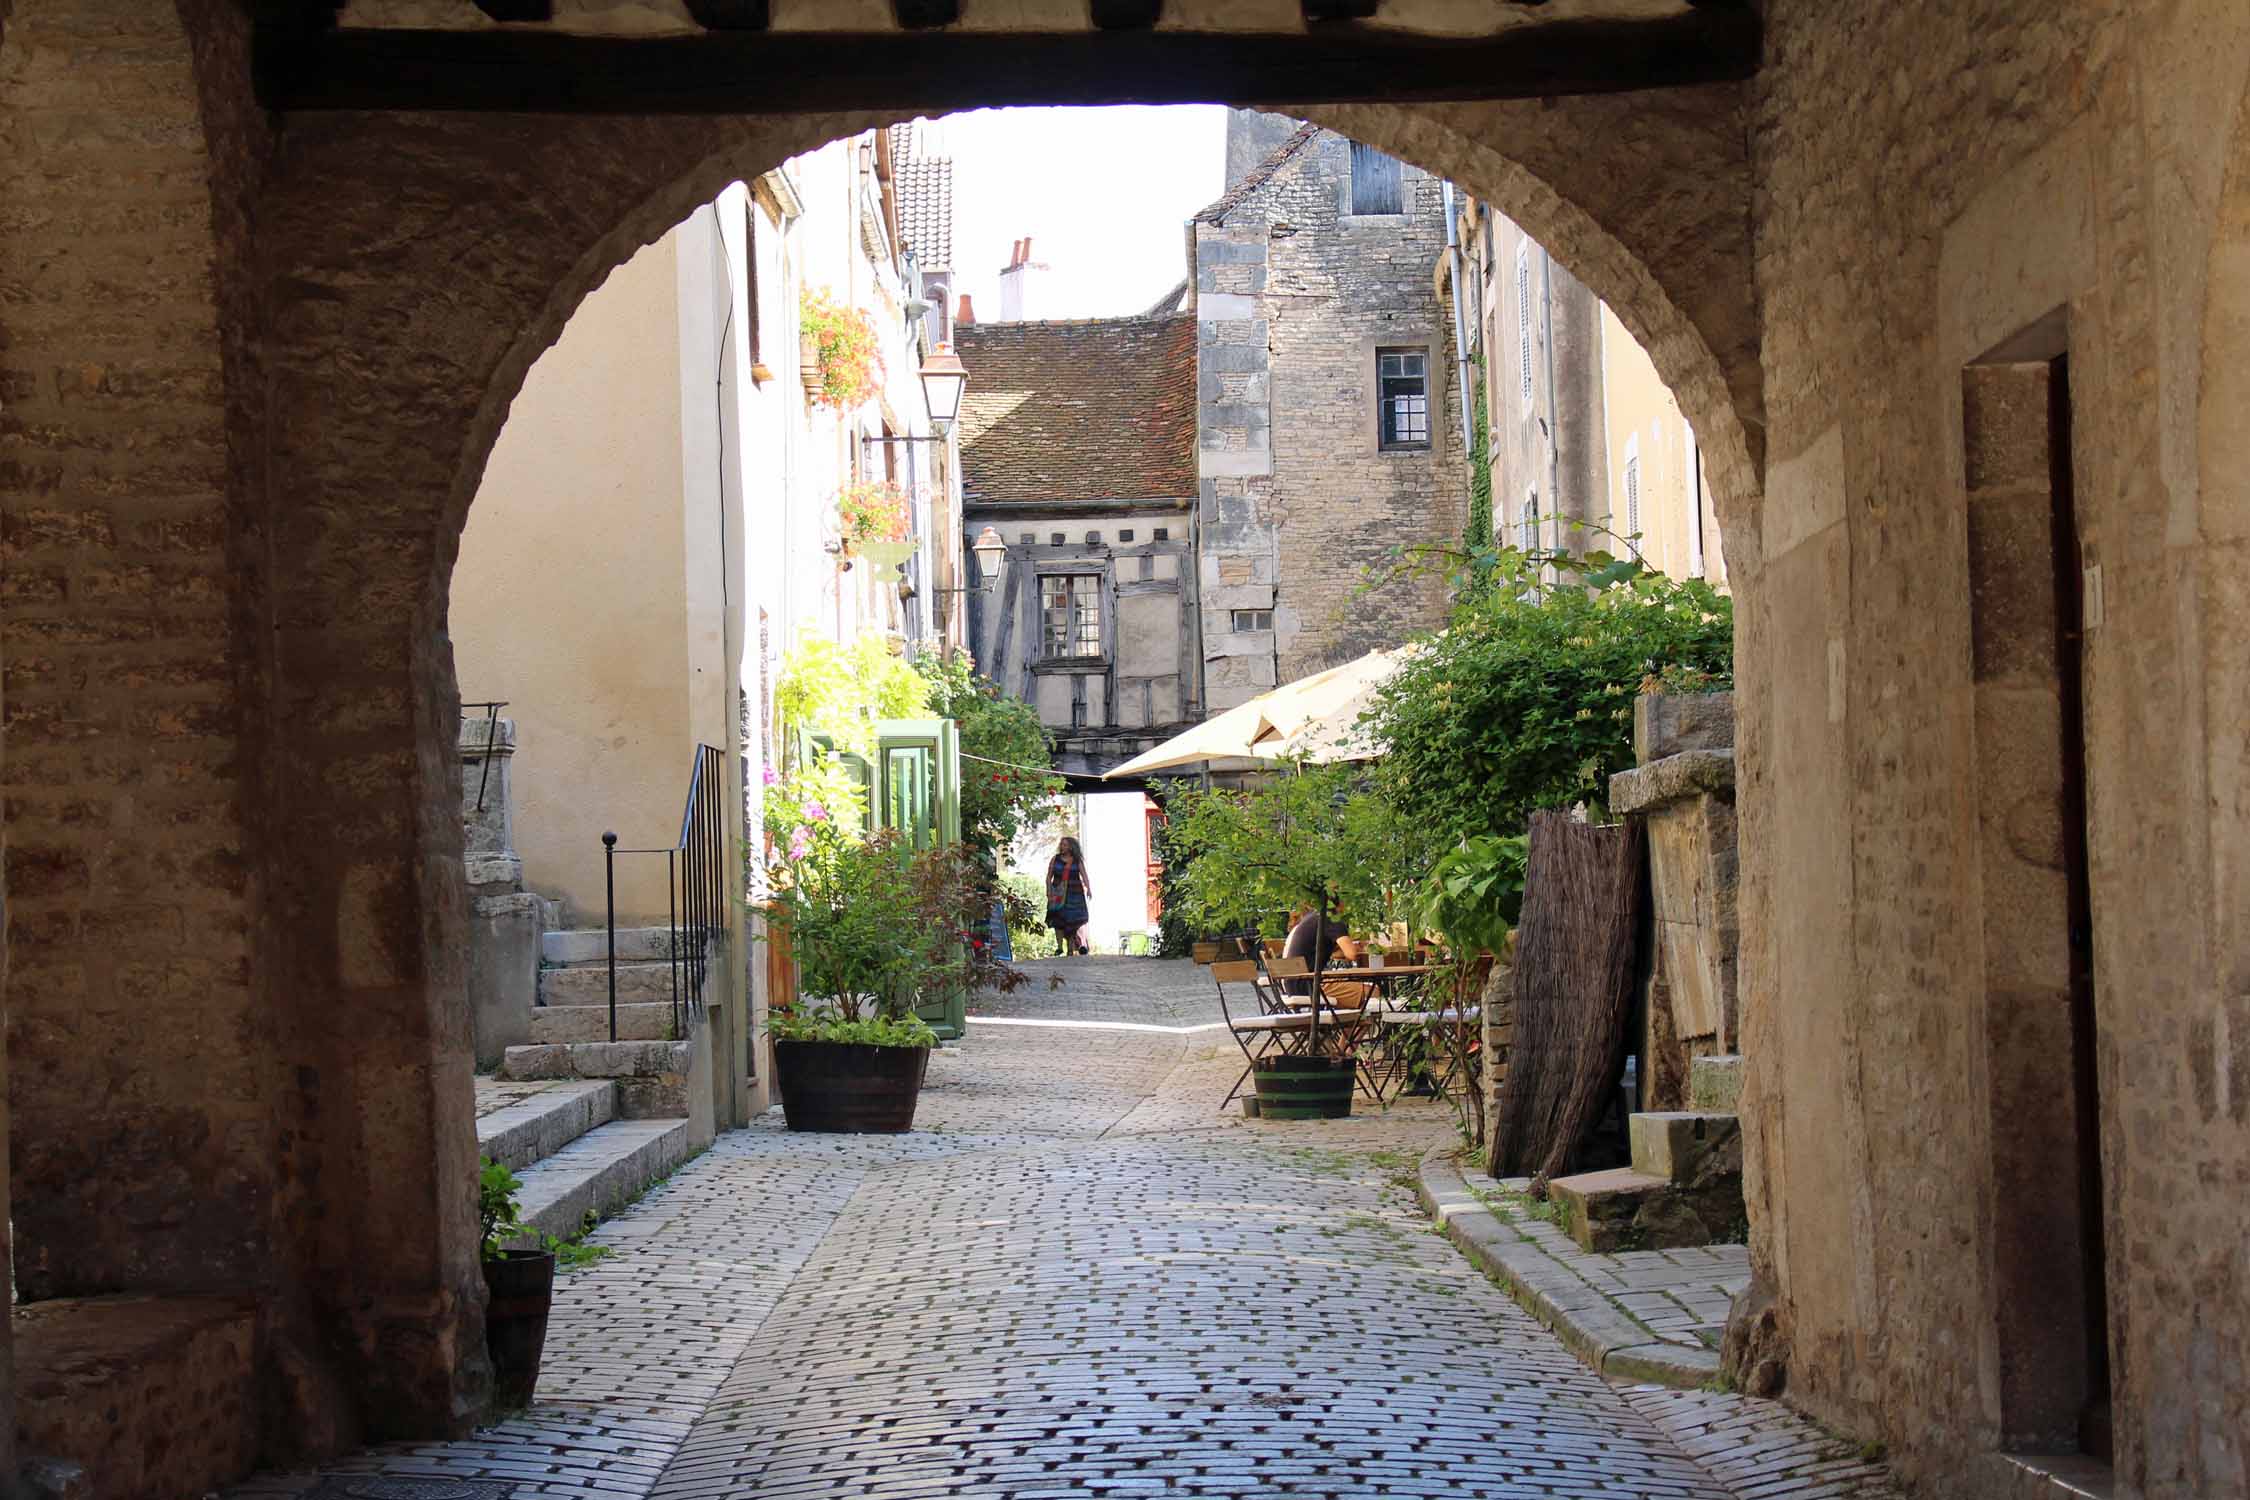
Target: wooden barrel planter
<point>1304,1088</point>
<point>849,1088</point>
<point>520,1288</point>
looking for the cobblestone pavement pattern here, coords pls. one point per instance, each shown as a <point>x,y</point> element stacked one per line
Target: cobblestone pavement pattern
<point>1076,1277</point>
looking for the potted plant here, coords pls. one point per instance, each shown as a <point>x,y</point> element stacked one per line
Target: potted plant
<point>519,1286</point>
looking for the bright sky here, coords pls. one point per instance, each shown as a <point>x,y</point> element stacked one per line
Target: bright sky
<point>1103,194</point>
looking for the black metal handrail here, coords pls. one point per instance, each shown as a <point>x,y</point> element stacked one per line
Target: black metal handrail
<point>695,890</point>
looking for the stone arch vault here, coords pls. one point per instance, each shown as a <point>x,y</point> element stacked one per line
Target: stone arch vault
<point>252,359</point>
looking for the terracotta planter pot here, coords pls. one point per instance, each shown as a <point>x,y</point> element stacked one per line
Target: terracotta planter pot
<point>849,1088</point>
<point>520,1288</point>
<point>808,362</point>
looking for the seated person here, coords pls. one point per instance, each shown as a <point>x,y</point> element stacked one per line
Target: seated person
<point>1319,940</point>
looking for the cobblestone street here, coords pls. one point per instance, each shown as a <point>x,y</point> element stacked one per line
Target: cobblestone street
<point>1076,1277</point>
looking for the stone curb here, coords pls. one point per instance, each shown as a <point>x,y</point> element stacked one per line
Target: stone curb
<point>1589,1324</point>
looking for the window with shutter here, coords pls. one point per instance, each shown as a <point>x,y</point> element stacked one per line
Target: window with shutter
<point>1527,524</point>
<point>1523,322</point>
<point>1376,184</point>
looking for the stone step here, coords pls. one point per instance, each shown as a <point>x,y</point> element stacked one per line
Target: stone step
<point>601,1171</point>
<point>640,1021</point>
<point>1690,1148</point>
<point>1599,1208</point>
<point>590,945</point>
<point>1715,1082</point>
<point>536,1128</point>
<point>637,983</point>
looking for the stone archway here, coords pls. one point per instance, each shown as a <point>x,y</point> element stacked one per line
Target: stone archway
<point>359,297</point>
<point>419,264</point>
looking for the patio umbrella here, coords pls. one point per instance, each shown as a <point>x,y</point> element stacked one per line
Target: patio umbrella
<point>1316,718</point>
<point>1320,711</point>
<point>1223,737</point>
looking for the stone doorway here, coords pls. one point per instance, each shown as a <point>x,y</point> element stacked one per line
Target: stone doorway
<point>2032,602</point>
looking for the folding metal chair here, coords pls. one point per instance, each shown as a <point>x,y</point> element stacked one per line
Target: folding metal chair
<point>1268,1030</point>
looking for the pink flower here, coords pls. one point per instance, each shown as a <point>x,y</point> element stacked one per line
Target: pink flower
<point>814,812</point>
<point>773,777</point>
<point>800,844</point>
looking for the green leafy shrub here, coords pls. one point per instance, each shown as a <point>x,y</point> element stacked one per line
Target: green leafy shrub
<point>499,1214</point>
<point>1293,838</point>
<point>1526,700</point>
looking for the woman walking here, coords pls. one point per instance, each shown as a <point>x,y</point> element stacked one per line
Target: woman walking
<point>1067,893</point>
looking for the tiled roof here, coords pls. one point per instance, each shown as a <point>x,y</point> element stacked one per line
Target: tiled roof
<point>925,210</point>
<point>1258,176</point>
<point>1095,409</point>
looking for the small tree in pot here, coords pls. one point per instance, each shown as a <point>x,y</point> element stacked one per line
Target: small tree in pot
<point>850,1053</point>
<point>875,929</point>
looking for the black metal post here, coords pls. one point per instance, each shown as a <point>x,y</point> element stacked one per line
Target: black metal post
<point>609,880</point>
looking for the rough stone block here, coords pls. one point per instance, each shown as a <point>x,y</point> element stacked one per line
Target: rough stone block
<point>1690,1148</point>
<point>1676,778</point>
<point>1670,723</point>
<point>503,977</point>
<point>146,1395</point>
<point>533,1062</point>
<point>1715,1083</point>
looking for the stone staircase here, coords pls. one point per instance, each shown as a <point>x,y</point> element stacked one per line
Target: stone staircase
<point>1684,1187</point>
<point>573,994</point>
<point>570,1143</point>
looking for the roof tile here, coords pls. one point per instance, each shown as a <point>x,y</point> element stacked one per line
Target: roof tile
<point>1094,409</point>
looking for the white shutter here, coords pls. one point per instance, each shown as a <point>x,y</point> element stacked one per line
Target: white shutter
<point>1523,320</point>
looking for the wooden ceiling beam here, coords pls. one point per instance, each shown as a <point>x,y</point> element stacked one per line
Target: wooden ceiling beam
<point>763,72</point>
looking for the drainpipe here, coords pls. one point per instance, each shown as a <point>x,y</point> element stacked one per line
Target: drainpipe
<point>1547,320</point>
<point>1460,331</point>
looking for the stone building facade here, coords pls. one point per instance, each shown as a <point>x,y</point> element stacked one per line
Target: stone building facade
<point>1328,426</point>
<point>259,344</point>
<point>1078,458</point>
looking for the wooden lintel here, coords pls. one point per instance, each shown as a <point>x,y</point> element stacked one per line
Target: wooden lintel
<point>772,72</point>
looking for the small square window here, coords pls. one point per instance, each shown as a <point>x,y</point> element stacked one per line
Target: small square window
<point>1025,537</point>
<point>1093,539</point>
<point>1163,534</point>
<point>1126,535</point>
<point>1402,383</point>
<point>1056,539</point>
<point>1070,611</point>
<point>1253,619</point>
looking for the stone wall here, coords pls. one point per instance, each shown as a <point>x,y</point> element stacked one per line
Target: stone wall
<point>1683,789</point>
<point>1294,296</point>
<point>231,699</point>
<point>1936,187</point>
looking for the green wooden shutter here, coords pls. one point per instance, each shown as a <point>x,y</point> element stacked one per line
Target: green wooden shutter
<point>918,791</point>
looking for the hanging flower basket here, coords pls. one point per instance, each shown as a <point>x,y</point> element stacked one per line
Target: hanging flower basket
<point>844,369</point>
<point>875,514</point>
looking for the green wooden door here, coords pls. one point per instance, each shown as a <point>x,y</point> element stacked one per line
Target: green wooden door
<point>918,796</point>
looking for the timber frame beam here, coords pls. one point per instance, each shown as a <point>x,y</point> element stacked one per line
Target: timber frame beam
<point>764,72</point>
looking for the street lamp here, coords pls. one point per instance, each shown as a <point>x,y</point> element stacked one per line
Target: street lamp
<point>989,549</point>
<point>944,378</point>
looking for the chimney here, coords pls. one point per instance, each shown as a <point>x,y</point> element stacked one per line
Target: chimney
<point>1017,301</point>
<point>966,315</point>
